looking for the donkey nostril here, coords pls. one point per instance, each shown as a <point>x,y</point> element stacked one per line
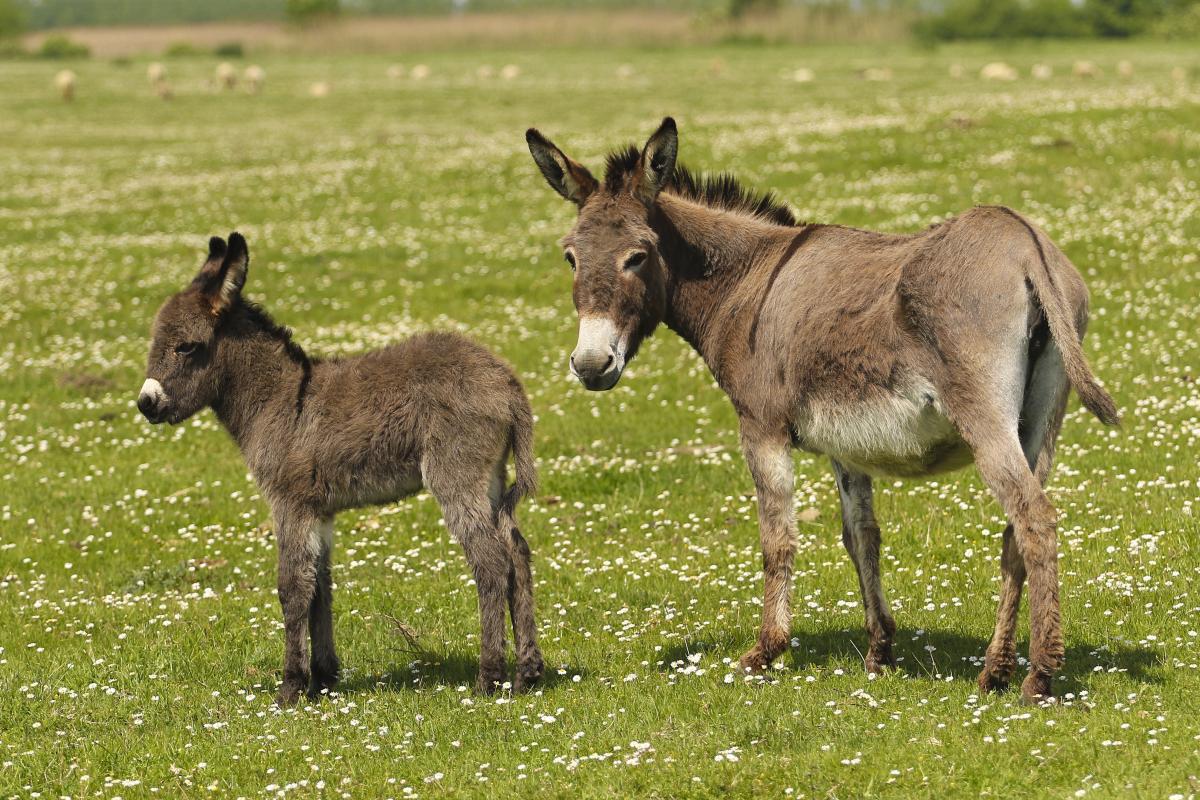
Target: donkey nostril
<point>607,363</point>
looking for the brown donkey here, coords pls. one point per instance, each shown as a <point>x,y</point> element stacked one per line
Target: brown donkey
<point>321,436</point>
<point>892,354</point>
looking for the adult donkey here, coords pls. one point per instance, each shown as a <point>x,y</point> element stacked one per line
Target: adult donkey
<point>893,354</point>
<point>321,436</point>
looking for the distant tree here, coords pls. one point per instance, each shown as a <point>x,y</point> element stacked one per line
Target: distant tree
<point>305,12</point>
<point>12,21</point>
<point>1123,17</point>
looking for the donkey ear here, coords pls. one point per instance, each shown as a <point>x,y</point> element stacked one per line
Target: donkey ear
<point>657,164</point>
<point>567,177</point>
<point>224,274</point>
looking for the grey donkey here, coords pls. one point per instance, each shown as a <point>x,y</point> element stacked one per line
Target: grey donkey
<point>320,436</point>
<point>893,354</point>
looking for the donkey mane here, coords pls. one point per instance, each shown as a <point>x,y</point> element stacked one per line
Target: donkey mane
<point>716,191</point>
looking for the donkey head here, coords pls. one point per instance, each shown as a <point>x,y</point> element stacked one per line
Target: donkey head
<point>620,280</point>
<point>181,378</point>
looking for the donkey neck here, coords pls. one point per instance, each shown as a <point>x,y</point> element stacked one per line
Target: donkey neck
<point>709,253</point>
<point>260,367</point>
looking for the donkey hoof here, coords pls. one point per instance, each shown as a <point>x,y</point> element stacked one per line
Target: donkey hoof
<point>992,681</point>
<point>1036,691</point>
<point>288,696</point>
<point>880,660</point>
<point>754,662</point>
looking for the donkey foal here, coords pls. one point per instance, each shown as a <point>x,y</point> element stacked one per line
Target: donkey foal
<point>321,436</point>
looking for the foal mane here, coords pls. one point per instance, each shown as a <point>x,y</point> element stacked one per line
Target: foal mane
<point>260,319</point>
<point>721,190</point>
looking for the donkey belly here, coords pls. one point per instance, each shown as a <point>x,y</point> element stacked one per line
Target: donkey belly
<point>903,433</point>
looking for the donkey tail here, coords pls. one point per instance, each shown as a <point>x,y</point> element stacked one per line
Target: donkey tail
<point>520,443</point>
<point>1066,333</point>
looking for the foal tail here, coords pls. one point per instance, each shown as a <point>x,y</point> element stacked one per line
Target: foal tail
<point>520,443</point>
<point>1065,332</point>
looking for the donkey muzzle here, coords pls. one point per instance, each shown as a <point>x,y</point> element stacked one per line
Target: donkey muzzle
<point>152,401</point>
<point>599,357</point>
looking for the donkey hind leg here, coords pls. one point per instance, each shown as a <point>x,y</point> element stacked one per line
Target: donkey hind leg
<point>520,590</point>
<point>298,536</point>
<point>860,535</point>
<point>1002,464</point>
<point>770,462</point>
<point>1042,411</point>
<point>471,521</point>
<point>326,667</point>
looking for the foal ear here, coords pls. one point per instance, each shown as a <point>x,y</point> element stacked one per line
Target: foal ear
<point>569,178</point>
<point>224,273</point>
<point>657,164</point>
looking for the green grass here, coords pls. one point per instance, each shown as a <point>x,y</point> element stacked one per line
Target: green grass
<point>140,635</point>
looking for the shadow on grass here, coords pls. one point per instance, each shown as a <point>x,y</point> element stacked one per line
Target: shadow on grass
<point>932,654</point>
<point>432,669</point>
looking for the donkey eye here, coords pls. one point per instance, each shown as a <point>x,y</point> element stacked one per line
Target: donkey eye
<point>188,348</point>
<point>635,261</point>
<point>570,259</point>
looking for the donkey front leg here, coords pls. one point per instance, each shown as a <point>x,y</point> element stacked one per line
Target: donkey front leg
<point>298,537</point>
<point>326,667</point>
<point>770,462</point>
<point>860,535</point>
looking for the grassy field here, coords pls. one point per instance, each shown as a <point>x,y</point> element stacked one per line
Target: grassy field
<point>140,636</point>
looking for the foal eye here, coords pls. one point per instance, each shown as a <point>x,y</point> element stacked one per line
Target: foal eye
<point>188,348</point>
<point>635,261</point>
<point>570,257</point>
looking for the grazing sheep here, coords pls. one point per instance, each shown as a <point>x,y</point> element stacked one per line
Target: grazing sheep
<point>420,72</point>
<point>64,81</point>
<point>156,72</point>
<point>957,71</point>
<point>625,71</point>
<point>226,76</point>
<point>1125,68</point>
<point>998,71</point>
<point>484,72</point>
<point>510,72</point>
<point>320,89</point>
<point>254,77</point>
<point>803,75</point>
<point>395,72</point>
<point>164,90</point>
<point>876,74</point>
<point>1085,69</point>
<point>1042,72</point>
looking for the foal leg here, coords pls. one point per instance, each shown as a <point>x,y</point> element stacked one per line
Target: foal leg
<point>1003,466</point>
<point>860,535</point>
<point>325,664</point>
<point>770,462</point>
<point>472,522</point>
<point>1042,413</point>
<point>298,535</point>
<point>520,592</point>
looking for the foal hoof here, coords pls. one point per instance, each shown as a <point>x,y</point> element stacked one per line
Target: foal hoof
<point>489,681</point>
<point>527,675</point>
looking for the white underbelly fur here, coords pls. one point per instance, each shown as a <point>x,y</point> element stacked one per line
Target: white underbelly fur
<point>902,433</point>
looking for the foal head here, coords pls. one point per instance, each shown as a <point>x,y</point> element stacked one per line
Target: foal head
<point>620,280</point>
<point>180,375</point>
